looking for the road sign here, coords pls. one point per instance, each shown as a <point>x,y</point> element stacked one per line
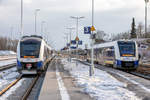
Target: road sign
<point>77,38</point>
<point>73,47</point>
<point>87,30</point>
<point>92,28</point>
<point>80,42</point>
<point>73,42</point>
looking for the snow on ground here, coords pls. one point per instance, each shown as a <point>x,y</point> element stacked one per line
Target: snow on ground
<point>7,62</point>
<point>6,52</point>
<point>101,86</point>
<point>7,76</point>
<point>12,90</point>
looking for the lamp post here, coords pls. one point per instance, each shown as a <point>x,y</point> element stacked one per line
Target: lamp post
<point>146,2</point>
<point>77,19</point>
<point>36,10</point>
<point>70,41</point>
<point>91,70</point>
<point>66,36</point>
<point>21,24</point>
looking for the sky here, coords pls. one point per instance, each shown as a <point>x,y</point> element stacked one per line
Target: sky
<point>111,16</point>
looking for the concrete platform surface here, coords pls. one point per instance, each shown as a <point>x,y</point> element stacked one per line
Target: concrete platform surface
<point>59,85</point>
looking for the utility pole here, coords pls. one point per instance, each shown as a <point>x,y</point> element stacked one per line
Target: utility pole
<point>21,24</point>
<point>91,70</point>
<point>36,10</point>
<point>77,38</point>
<point>146,2</point>
<point>70,42</point>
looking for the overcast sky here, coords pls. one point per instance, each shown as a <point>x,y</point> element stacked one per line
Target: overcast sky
<point>111,16</point>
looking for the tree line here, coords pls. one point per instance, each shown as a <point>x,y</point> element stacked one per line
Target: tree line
<point>8,44</point>
<point>136,31</point>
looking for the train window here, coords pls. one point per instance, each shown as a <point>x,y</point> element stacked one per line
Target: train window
<point>110,53</point>
<point>30,48</point>
<point>126,48</point>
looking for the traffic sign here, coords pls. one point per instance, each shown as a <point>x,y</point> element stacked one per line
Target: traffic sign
<point>77,38</point>
<point>92,28</point>
<point>87,30</point>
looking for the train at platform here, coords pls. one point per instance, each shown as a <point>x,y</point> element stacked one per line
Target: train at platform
<point>33,55</point>
<point>121,54</point>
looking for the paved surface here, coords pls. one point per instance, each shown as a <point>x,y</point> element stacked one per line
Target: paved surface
<point>59,85</point>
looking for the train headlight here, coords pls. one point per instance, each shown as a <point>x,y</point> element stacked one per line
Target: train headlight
<point>39,64</point>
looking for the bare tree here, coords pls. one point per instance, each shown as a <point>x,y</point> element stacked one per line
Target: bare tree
<point>140,30</point>
<point>8,44</point>
<point>99,37</point>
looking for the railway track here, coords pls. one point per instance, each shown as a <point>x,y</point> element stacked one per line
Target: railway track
<point>140,75</point>
<point>7,66</point>
<point>10,85</point>
<point>147,76</point>
<point>28,91</point>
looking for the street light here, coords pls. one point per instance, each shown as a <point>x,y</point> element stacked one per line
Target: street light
<point>36,10</point>
<point>21,24</point>
<point>146,2</point>
<point>70,40</point>
<point>77,19</point>
<point>91,70</point>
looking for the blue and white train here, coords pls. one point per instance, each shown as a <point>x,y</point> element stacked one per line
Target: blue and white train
<point>33,54</point>
<point>122,54</point>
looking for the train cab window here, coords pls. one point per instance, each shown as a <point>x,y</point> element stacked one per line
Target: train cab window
<point>30,48</point>
<point>126,49</point>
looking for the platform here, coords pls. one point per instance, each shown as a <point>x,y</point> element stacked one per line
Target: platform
<point>59,85</point>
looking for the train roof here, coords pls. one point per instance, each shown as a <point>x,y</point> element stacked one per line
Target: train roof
<point>110,44</point>
<point>34,36</point>
<point>39,38</point>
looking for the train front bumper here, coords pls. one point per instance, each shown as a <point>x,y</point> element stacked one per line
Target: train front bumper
<point>127,64</point>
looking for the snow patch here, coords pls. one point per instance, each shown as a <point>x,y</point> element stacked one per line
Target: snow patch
<point>6,52</point>
<point>7,62</point>
<point>7,76</point>
<point>13,89</point>
<point>101,86</point>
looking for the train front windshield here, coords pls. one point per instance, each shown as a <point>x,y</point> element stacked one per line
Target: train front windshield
<point>30,49</point>
<point>127,49</point>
